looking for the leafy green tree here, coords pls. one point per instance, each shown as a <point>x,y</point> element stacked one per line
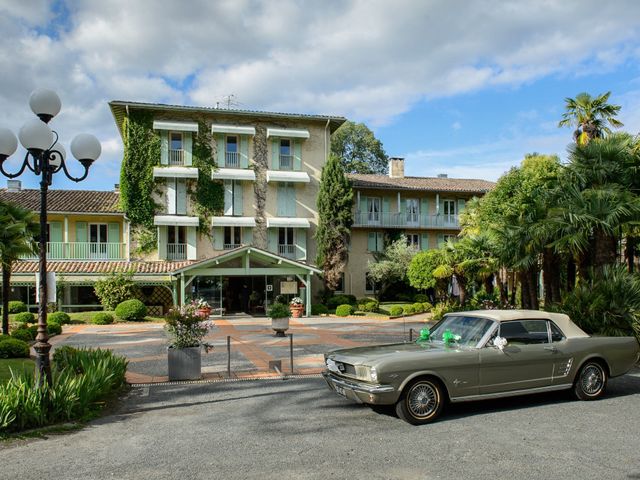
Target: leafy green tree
<point>392,265</point>
<point>590,116</point>
<point>420,272</point>
<point>358,149</point>
<point>335,203</point>
<point>18,236</point>
<point>115,289</point>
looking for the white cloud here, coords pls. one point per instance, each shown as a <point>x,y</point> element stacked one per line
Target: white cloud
<point>456,125</point>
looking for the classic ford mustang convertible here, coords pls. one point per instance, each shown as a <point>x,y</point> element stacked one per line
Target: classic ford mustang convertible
<point>479,355</point>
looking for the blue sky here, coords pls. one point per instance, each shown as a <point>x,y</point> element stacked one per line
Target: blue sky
<point>463,91</point>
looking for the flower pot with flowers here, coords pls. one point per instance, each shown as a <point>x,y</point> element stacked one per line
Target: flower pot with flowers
<point>186,330</point>
<point>203,307</point>
<point>297,307</point>
<point>279,314</point>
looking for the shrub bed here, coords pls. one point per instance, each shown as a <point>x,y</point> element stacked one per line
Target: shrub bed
<point>319,309</point>
<point>24,317</point>
<point>409,310</point>
<point>13,348</point>
<point>421,298</point>
<point>337,300</point>
<point>131,310</point>
<point>16,306</point>
<point>59,317</point>
<point>54,328</point>
<point>396,311</point>
<point>82,381</point>
<point>344,310</point>
<point>23,334</point>
<point>418,307</point>
<point>102,318</point>
<point>369,306</point>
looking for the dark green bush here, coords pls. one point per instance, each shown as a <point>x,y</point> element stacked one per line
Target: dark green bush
<point>396,311</point>
<point>102,318</point>
<point>24,317</point>
<point>344,310</point>
<point>16,306</point>
<point>34,330</point>
<point>409,310</point>
<point>405,297</point>
<point>59,317</point>
<point>23,334</point>
<point>4,337</point>
<point>336,300</point>
<point>369,306</point>
<point>426,307</point>
<point>421,298</point>
<point>54,328</point>
<point>319,309</point>
<point>131,310</point>
<point>279,310</point>
<point>13,348</point>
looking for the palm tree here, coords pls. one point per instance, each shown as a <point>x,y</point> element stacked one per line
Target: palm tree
<point>591,116</point>
<point>18,237</point>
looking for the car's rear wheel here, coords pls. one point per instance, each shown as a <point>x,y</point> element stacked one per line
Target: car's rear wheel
<point>591,381</point>
<point>421,402</point>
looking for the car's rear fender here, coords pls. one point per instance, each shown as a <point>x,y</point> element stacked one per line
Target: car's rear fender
<point>594,357</point>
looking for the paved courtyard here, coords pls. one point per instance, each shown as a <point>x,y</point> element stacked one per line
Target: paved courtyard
<point>253,345</point>
<point>298,429</point>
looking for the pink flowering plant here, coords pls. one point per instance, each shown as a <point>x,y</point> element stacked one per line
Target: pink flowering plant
<point>185,327</point>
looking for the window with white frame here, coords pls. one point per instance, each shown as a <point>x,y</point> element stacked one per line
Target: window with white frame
<point>232,237</point>
<point>449,209</point>
<point>286,154</point>
<point>176,243</point>
<point>232,197</point>
<point>232,154</point>
<point>369,285</point>
<point>340,286</point>
<point>373,210</point>
<point>412,207</point>
<point>286,242</point>
<point>450,238</point>
<point>176,148</point>
<point>413,240</point>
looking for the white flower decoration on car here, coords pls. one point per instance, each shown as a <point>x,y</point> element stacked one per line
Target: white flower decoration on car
<point>500,342</point>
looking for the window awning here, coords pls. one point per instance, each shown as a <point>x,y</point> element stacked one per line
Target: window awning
<point>176,221</point>
<point>175,172</point>
<point>225,221</point>
<point>288,222</point>
<point>234,174</point>
<point>177,126</point>
<point>287,176</point>
<point>233,129</point>
<point>287,133</point>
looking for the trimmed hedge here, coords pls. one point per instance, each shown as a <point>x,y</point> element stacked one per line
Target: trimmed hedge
<point>24,317</point>
<point>319,309</point>
<point>102,318</point>
<point>369,306</point>
<point>14,348</point>
<point>59,317</point>
<point>23,334</point>
<point>131,310</point>
<point>418,307</point>
<point>344,310</point>
<point>409,310</point>
<point>426,307</point>
<point>337,300</point>
<point>396,311</point>
<point>16,306</point>
<point>54,328</point>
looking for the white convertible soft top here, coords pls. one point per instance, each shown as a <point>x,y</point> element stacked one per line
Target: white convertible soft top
<point>570,329</point>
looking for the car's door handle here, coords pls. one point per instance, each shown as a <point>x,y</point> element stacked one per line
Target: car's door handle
<point>551,349</point>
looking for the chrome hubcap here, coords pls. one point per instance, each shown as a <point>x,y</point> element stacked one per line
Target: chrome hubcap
<point>423,400</point>
<point>592,380</point>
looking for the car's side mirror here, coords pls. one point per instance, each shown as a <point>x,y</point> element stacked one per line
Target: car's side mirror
<point>500,342</point>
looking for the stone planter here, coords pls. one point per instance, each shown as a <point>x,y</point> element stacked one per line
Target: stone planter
<point>296,310</point>
<point>184,363</point>
<point>280,325</point>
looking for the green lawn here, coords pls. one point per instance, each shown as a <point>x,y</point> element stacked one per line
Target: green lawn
<point>86,317</point>
<point>15,364</point>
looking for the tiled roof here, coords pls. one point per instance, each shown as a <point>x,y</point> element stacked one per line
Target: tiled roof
<point>431,184</point>
<point>69,201</point>
<point>90,267</point>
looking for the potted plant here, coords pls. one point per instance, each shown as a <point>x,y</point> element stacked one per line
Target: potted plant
<point>203,307</point>
<point>297,307</point>
<point>186,329</point>
<point>279,314</point>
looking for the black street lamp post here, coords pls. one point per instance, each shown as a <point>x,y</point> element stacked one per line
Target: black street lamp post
<point>44,157</point>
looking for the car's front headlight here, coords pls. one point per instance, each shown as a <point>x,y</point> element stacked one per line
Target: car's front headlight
<point>366,373</point>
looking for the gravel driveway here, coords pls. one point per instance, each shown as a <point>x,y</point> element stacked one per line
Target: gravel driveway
<point>299,429</point>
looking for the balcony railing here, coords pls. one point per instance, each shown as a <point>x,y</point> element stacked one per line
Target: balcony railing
<point>83,251</point>
<point>286,162</point>
<point>176,157</point>
<point>231,246</point>
<point>232,159</point>
<point>176,251</point>
<point>288,251</point>
<point>402,220</point>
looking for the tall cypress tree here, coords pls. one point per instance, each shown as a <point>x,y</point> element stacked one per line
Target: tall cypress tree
<point>335,203</point>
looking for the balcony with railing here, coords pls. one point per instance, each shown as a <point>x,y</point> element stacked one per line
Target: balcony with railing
<point>287,251</point>
<point>83,251</point>
<point>231,246</point>
<point>286,162</point>
<point>403,220</point>
<point>232,159</point>
<point>176,251</point>
<point>176,157</point>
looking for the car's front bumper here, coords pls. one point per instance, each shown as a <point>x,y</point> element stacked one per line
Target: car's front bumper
<point>361,392</point>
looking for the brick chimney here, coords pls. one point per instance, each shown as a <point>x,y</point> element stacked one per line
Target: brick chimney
<point>14,185</point>
<point>396,167</point>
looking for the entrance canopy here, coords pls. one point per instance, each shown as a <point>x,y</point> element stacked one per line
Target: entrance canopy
<point>221,274</point>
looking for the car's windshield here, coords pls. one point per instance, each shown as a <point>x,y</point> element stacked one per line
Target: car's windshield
<point>469,329</point>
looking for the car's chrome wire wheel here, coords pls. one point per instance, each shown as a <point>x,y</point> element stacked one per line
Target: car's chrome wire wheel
<point>592,379</point>
<point>423,400</point>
